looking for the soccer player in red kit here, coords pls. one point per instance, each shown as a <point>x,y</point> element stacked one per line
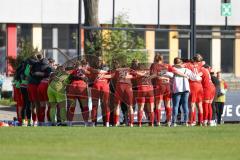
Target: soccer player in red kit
<point>209,94</point>
<point>162,89</point>
<point>17,96</point>
<point>112,87</point>
<point>145,95</point>
<point>196,91</point>
<point>42,95</point>
<point>100,90</point>
<point>33,81</point>
<point>78,90</point>
<point>123,93</point>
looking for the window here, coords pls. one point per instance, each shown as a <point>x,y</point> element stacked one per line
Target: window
<point>67,36</point>
<point>161,40</point>
<point>184,47</point>
<point>73,36</point>
<point>227,51</point>
<point>47,36</point>
<point>227,55</point>
<point>184,42</point>
<point>24,33</point>
<point>204,48</point>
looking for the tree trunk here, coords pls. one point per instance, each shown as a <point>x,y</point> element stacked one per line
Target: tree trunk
<point>91,13</point>
<point>92,47</point>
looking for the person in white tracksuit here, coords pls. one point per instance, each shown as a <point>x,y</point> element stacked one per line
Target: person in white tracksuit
<point>181,90</point>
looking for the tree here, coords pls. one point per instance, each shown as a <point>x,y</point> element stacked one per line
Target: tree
<point>123,46</point>
<point>91,46</point>
<point>26,51</point>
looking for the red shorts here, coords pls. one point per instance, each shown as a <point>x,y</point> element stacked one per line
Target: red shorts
<point>42,91</point>
<point>124,93</point>
<point>163,92</point>
<point>196,93</point>
<point>209,93</point>
<point>32,92</point>
<point>100,88</point>
<point>19,97</point>
<point>77,89</point>
<point>145,94</point>
<point>135,95</point>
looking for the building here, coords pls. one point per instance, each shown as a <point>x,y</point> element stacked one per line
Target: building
<point>51,24</point>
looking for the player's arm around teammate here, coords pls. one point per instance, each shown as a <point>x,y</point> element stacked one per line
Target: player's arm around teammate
<point>208,96</point>
<point>162,92</point>
<point>78,90</point>
<point>123,93</point>
<point>145,95</point>
<point>100,91</point>
<point>42,95</point>
<point>196,94</point>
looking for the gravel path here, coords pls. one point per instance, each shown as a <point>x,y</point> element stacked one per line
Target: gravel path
<point>7,113</point>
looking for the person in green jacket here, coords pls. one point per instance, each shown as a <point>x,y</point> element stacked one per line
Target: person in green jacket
<point>57,94</point>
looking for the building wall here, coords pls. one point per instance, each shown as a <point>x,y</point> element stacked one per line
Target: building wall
<point>39,11</point>
<point>172,12</point>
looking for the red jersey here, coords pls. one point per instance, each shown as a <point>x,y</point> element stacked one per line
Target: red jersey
<point>121,75</point>
<point>195,68</point>
<point>95,74</point>
<point>206,78</point>
<point>144,80</point>
<point>79,74</point>
<point>160,69</point>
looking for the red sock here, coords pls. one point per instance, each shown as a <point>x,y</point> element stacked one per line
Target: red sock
<point>168,113</point>
<point>200,117</point>
<point>194,115</point>
<point>151,117</point>
<point>209,111</point>
<point>34,117</point>
<point>85,114</point>
<point>205,111</point>
<point>106,112</point>
<point>131,118</point>
<point>158,115</point>
<point>107,116</point>
<point>41,113</point>
<point>19,117</point>
<point>116,119</point>
<point>94,114</point>
<point>140,114</point>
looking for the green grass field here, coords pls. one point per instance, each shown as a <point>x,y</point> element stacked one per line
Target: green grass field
<point>62,143</point>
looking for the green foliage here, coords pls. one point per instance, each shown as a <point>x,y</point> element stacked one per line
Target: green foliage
<point>93,42</point>
<point>123,46</point>
<point>120,45</point>
<point>26,51</point>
